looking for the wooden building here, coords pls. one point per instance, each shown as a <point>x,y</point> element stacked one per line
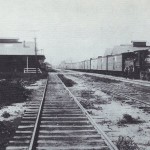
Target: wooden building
<point>16,56</point>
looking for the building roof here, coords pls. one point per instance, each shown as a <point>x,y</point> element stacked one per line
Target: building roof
<point>9,40</point>
<point>138,41</point>
<point>125,48</point>
<point>17,48</point>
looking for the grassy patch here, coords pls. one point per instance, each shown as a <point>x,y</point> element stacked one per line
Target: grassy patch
<point>90,112</point>
<point>24,76</point>
<point>12,87</point>
<point>12,92</point>
<point>66,81</point>
<point>87,94</point>
<point>107,92</point>
<point>5,114</point>
<point>101,101</point>
<point>120,98</point>
<point>128,119</point>
<point>87,104</point>
<point>101,79</point>
<point>7,131</point>
<point>126,143</point>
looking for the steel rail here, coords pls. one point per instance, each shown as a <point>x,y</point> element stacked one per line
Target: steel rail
<point>34,134</point>
<point>124,95</point>
<point>109,143</point>
<point>133,81</point>
<point>122,79</point>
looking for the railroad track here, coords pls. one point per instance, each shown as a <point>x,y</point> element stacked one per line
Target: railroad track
<point>127,95</point>
<point>26,131</point>
<point>121,90</point>
<point>134,81</point>
<point>59,122</point>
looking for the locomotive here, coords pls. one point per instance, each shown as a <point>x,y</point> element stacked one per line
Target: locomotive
<point>46,67</point>
<point>134,62</point>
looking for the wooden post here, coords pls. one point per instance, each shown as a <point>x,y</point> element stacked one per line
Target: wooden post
<point>27,63</point>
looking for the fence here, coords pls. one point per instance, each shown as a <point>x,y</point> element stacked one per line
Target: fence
<point>32,70</point>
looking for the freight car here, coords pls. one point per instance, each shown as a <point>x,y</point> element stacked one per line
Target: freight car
<point>135,64</point>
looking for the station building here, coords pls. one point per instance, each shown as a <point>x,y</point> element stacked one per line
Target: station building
<point>19,56</point>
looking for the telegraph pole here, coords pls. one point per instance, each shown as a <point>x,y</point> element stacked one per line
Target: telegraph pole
<point>36,60</point>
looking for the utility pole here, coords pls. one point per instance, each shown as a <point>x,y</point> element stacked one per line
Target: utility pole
<point>36,60</point>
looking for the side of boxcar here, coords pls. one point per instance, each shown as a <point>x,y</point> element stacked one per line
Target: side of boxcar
<point>104,63</point>
<point>118,62</point>
<point>87,65</point>
<point>111,63</point>
<point>115,62</point>
<point>99,63</point>
<point>74,66</point>
<point>81,65</point>
<point>94,64</point>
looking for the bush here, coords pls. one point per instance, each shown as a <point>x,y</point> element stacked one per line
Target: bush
<point>66,81</point>
<point>126,143</point>
<point>7,130</point>
<point>128,119</point>
<point>87,104</point>
<point>13,92</point>
<point>6,114</point>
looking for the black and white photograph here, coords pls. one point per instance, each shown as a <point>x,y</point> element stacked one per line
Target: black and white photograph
<point>74,75</point>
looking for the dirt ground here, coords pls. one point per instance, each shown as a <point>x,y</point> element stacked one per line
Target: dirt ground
<point>122,122</point>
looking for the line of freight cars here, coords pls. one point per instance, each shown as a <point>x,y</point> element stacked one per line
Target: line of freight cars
<point>130,64</point>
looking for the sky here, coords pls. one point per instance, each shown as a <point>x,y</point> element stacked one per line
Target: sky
<point>75,30</point>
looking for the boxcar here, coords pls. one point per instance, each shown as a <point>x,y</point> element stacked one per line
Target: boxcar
<point>104,63</point>
<point>81,65</point>
<point>78,65</point>
<point>74,66</point>
<point>87,64</point>
<point>94,63</point>
<point>67,66</point>
<point>111,63</point>
<point>118,62</point>
<point>99,63</point>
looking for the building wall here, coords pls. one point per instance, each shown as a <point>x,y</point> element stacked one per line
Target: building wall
<point>17,63</point>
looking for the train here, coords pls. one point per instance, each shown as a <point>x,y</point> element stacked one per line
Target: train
<point>46,67</point>
<point>133,63</point>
